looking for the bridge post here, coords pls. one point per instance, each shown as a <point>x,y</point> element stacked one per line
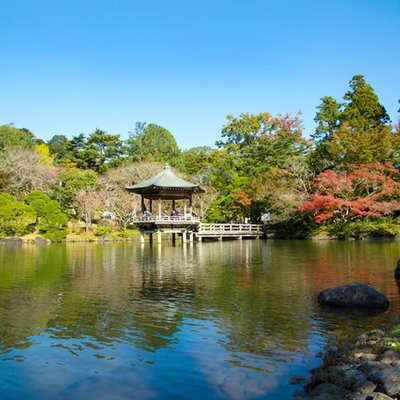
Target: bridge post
<point>159,236</point>
<point>141,236</point>
<point>184,237</point>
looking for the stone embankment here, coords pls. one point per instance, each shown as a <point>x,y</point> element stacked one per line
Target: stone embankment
<point>367,370</point>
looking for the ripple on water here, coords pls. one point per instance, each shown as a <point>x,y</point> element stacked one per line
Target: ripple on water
<point>216,320</point>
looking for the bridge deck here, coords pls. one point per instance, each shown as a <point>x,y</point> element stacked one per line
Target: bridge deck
<point>190,225</point>
<point>229,230</point>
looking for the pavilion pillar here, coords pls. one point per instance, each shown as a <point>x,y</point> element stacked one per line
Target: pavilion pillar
<point>190,205</point>
<point>173,205</point>
<point>184,208</point>
<point>159,208</point>
<point>191,234</point>
<point>184,237</point>
<point>142,205</point>
<point>141,237</point>
<point>151,206</point>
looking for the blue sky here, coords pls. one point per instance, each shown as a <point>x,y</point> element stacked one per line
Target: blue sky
<point>72,66</point>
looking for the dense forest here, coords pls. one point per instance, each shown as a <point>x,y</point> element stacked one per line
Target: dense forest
<point>343,180</point>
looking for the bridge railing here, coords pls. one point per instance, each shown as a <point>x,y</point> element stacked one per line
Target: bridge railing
<point>233,228</point>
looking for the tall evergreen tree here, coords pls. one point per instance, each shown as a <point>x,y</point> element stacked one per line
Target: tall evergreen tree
<point>362,110</point>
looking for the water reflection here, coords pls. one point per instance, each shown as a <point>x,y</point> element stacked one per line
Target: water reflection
<point>228,319</point>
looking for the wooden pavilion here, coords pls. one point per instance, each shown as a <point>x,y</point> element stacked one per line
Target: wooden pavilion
<point>166,186</point>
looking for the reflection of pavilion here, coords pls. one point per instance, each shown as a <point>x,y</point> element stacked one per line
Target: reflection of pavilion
<point>166,186</point>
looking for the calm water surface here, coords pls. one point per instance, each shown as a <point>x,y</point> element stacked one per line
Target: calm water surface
<point>218,320</point>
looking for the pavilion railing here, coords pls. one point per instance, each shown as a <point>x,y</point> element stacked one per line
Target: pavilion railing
<point>168,218</point>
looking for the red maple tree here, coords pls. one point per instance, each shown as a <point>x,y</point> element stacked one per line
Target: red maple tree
<point>364,190</point>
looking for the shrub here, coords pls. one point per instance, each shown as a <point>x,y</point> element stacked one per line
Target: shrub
<point>16,218</point>
<point>51,221</point>
<point>380,227</point>
<point>102,230</point>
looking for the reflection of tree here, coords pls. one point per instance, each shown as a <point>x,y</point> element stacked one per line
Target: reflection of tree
<point>259,296</point>
<point>245,294</point>
<point>32,284</point>
<point>120,301</point>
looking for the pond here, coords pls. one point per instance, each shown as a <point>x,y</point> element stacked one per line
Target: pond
<point>212,320</point>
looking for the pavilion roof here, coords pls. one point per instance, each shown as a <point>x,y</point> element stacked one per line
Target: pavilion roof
<point>166,180</point>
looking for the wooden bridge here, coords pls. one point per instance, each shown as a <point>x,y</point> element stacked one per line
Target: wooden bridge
<point>221,231</point>
<point>188,226</point>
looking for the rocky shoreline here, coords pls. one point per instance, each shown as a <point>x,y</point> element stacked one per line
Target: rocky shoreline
<point>367,370</point>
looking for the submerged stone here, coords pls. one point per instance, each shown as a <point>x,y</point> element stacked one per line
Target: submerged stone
<point>354,295</point>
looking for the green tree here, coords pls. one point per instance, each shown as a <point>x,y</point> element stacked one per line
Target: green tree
<point>71,181</point>
<point>282,190</point>
<point>102,151</point>
<point>362,110</point>
<point>355,131</point>
<point>13,137</point>
<point>379,144</point>
<point>328,118</point>
<point>232,187</point>
<point>16,218</point>
<point>76,152</point>
<point>52,222</point>
<point>152,142</point>
<point>261,141</point>
<point>59,147</point>
<point>195,161</point>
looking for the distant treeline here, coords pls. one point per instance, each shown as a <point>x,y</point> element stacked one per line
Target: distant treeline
<point>344,181</point>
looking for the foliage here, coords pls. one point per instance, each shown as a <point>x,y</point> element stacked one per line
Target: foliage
<point>11,137</point>
<point>373,227</point>
<point>59,146</point>
<point>368,190</point>
<point>356,131</point>
<point>363,110</point>
<point>327,118</point>
<point>261,141</point>
<point>295,228</point>
<point>340,182</point>
<point>23,172</point>
<point>52,222</point>
<point>44,155</point>
<point>122,204</point>
<point>152,142</point>
<point>102,230</point>
<point>16,218</point>
<point>233,201</point>
<point>72,181</point>
<point>196,162</point>
<point>380,144</point>
<point>102,151</point>
<point>281,191</point>
<point>87,202</point>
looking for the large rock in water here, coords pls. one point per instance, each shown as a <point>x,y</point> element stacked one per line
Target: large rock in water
<point>354,295</point>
